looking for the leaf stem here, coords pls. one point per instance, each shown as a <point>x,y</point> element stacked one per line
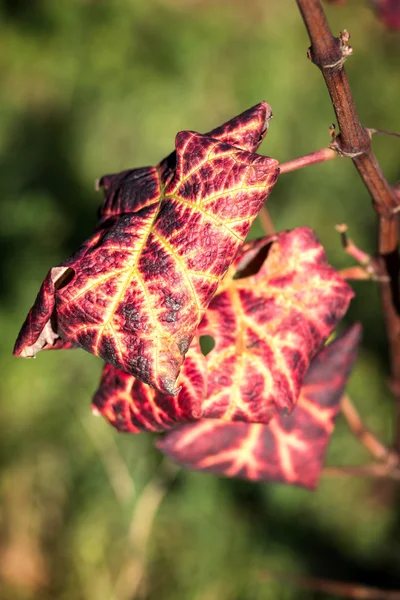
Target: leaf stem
<point>309,159</point>
<point>293,165</point>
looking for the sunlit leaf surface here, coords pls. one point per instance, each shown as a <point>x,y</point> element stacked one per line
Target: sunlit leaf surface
<point>132,406</point>
<point>291,448</point>
<point>268,325</point>
<point>135,291</point>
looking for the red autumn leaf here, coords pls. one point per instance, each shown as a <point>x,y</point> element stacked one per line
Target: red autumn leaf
<point>123,190</point>
<point>296,298</point>
<point>388,12</point>
<point>291,449</point>
<point>135,292</point>
<point>132,406</point>
<point>268,326</point>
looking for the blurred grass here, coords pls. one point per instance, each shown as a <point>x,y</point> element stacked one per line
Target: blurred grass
<point>90,87</point>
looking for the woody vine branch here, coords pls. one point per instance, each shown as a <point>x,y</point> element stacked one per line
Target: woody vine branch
<point>354,141</point>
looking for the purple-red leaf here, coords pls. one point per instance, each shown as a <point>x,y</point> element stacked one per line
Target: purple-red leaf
<point>268,323</point>
<point>246,131</point>
<point>135,292</point>
<point>291,448</point>
<point>388,12</point>
<point>132,406</point>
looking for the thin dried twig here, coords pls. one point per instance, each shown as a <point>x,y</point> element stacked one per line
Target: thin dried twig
<point>372,267</point>
<point>374,470</point>
<point>337,588</point>
<point>354,273</point>
<point>372,131</point>
<point>376,448</point>
<point>266,221</point>
<point>354,141</point>
<point>388,466</point>
<point>350,248</point>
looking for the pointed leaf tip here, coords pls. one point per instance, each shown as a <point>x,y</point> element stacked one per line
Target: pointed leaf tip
<point>247,130</point>
<point>132,406</point>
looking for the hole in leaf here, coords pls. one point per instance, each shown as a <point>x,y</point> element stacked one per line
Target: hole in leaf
<point>252,265</point>
<point>207,343</point>
<point>64,279</point>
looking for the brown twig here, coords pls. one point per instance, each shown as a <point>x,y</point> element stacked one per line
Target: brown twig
<point>375,470</point>
<point>266,221</point>
<point>354,273</point>
<point>371,266</point>
<point>388,466</point>
<point>366,437</point>
<point>372,131</point>
<point>350,248</point>
<point>337,588</point>
<point>354,141</point>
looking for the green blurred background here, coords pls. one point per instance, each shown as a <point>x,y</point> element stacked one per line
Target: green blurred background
<point>93,86</point>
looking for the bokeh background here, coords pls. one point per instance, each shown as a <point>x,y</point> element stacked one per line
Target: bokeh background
<point>95,86</point>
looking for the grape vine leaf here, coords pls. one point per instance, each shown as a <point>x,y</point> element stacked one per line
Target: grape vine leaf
<point>268,324</point>
<point>132,406</point>
<point>291,449</point>
<point>136,290</point>
<point>388,12</point>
